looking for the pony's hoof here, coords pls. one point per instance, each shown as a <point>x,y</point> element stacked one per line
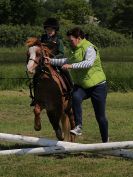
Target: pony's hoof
<point>37,128</point>
<point>59,134</point>
<point>37,124</point>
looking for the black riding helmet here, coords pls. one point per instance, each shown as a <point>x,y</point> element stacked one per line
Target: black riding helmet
<point>51,22</point>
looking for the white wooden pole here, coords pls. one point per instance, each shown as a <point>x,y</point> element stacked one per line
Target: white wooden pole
<point>58,150</point>
<point>76,146</point>
<point>39,151</point>
<point>30,140</point>
<point>118,153</point>
<point>55,147</point>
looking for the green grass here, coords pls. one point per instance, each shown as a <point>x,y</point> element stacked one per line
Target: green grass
<point>114,54</point>
<point>13,55</point>
<point>117,54</point>
<point>117,63</point>
<point>17,118</point>
<point>13,76</point>
<point>119,75</point>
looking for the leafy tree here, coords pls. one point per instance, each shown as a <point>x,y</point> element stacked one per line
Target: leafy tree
<point>76,11</point>
<point>24,11</point>
<point>122,20</point>
<point>5,11</point>
<point>52,8</point>
<point>103,10</point>
<point>36,11</point>
<point>21,12</point>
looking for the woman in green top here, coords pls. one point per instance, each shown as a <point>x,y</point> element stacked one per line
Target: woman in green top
<point>89,80</point>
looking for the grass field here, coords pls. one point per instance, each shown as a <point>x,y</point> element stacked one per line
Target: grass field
<point>119,75</point>
<point>17,117</point>
<point>117,64</point>
<point>117,54</point>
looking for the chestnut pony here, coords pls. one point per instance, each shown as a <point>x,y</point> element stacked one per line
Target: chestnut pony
<point>48,91</point>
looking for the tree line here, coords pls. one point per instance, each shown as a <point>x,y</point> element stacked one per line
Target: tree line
<point>116,15</point>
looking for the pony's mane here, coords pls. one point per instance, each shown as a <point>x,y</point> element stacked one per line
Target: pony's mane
<point>33,41</point>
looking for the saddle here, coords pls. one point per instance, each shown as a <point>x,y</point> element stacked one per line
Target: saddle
<point>65,81</point>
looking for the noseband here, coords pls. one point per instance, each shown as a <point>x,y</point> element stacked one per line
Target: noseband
<point>34,61</point>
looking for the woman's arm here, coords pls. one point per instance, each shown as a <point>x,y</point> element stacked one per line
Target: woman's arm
<point>90,57</point>
<point>58,62</point>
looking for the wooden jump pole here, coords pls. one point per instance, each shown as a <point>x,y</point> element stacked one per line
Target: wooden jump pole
<point>56,147</point>
<point>30,140</point>
<point>46,142</point>
<point>118,153</point>
<point>66,150</point>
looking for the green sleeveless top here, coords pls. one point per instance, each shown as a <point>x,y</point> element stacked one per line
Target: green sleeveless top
<point>86,77</point>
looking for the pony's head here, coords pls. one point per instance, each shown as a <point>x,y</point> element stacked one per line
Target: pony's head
<point>36,52</point>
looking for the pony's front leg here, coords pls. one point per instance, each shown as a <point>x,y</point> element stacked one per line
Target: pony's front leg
<point>54,119</point>
<point>37,119</point>
<point>65,126</point>
<point>72,123</point>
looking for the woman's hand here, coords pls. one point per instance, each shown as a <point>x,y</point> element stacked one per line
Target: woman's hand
<point>47,60</point>
<point>66,66</point>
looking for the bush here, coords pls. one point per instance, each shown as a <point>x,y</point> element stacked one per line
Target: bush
<point>11,36</point>
<point>102,37</point>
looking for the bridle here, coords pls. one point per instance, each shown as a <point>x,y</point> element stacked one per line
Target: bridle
<point>41,58</point>
<point>34,61</point>
<point>42,67</point>
<point>40,64</point>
